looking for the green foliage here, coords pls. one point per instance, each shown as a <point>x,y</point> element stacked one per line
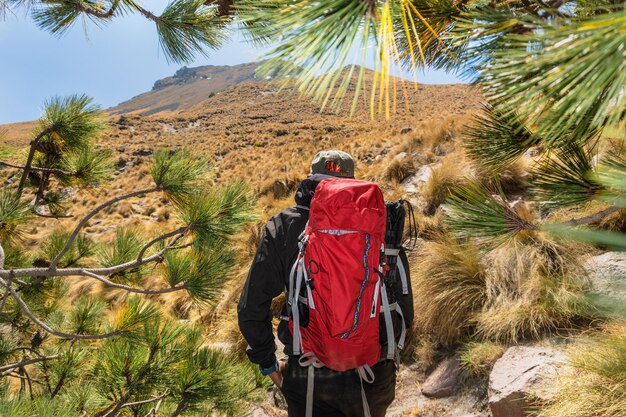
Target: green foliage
<point>472,211</point>
<point>497,139</point>
<point>186,27</point>
<point>179,174</point>
<point>317,64</point>
<point>216,214</point>
<point>82,247</point>
<point>89,168</point>
<point>132,315</point>
<point>565,180</point>
<point>57,17</point>
<point>86,315</point>
<point>574,82</point>
<point>203,272</point>
<point>479,357</point>
<point>71,122</point>
<point>13,216</point>
<point>124,248</point>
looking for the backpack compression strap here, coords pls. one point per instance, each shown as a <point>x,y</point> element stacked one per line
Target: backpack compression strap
<point>312,362</point>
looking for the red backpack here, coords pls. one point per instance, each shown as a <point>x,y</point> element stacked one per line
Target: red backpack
<point>336,292</point>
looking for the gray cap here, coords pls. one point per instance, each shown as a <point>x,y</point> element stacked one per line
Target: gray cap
<point>333,162</point>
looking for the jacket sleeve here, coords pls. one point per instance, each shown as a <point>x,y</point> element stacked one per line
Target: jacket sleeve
<point>264,282</point>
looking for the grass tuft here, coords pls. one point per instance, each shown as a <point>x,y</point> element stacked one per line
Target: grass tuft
<point>596,384</point>
<point>399,169</point>
<point>442,181</point>
<point>478,357</point>
<point>449,290</point>
<point>535,287</point>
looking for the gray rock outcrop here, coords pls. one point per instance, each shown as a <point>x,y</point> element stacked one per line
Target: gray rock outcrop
<point>607,274</point>
<point>523,372</point>
<point>445,379</point>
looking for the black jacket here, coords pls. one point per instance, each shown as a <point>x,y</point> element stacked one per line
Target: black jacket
<point>269,276</point>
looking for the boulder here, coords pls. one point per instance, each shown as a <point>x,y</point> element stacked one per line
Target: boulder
<point>422,175</point>
<point>523,372</point>
<point>607,275</point>
<point>445,380</point>
<point>259,412</point>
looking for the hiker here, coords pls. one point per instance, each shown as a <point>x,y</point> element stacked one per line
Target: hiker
<point>363,375</point>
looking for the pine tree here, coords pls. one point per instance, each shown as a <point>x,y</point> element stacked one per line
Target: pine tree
<point>92,356</point>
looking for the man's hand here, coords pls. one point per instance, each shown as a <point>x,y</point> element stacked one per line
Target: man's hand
<point>277,377</point>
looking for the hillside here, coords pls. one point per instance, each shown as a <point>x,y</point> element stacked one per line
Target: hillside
<point>187,87</point>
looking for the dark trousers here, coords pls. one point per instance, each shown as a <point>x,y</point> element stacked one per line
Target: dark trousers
<point>338,394</point>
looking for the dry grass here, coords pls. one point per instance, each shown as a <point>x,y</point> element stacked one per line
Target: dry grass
<point>425,352</point>
<point>448,289</point>
<point>281,188</point>
<point>596,384</point>
<point>400,168</point>
<point>429,409</point>
<point>431,227</point>
<point>534,287</point>
<point>512,179</point>
<point>615,222</point>
<point>437,189</point>
<point>478,357</point>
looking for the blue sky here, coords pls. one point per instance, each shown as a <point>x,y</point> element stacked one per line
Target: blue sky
<point>111,64</point>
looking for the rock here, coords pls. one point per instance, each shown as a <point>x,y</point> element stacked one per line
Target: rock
<point>445,379</point>
<point>43,210</point>
<point>259,412</point>
<point>400,156</point>
<point>121,164</point>
<point>277,398</point>
<point>521,373</point>
<point>422,175</point>
<point>406,130</point>
<point>607,273</point>
<point>142,152</point>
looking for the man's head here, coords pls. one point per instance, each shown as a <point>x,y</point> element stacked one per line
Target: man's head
<point>333,162</point>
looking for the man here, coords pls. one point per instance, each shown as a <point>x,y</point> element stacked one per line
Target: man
<point>336,394</point>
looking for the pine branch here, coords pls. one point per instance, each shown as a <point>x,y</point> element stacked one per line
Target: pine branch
<point>43,325</point>
<point>83,7</point>
<point>596,217</point>
<point>31,155</point>
<point>133,289</point>
<point>64,272</point>
<point>91,214</point>
<point>148,401</point>
<point>38,169</point>
<point>180,231</point>
<point>5,369</point>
